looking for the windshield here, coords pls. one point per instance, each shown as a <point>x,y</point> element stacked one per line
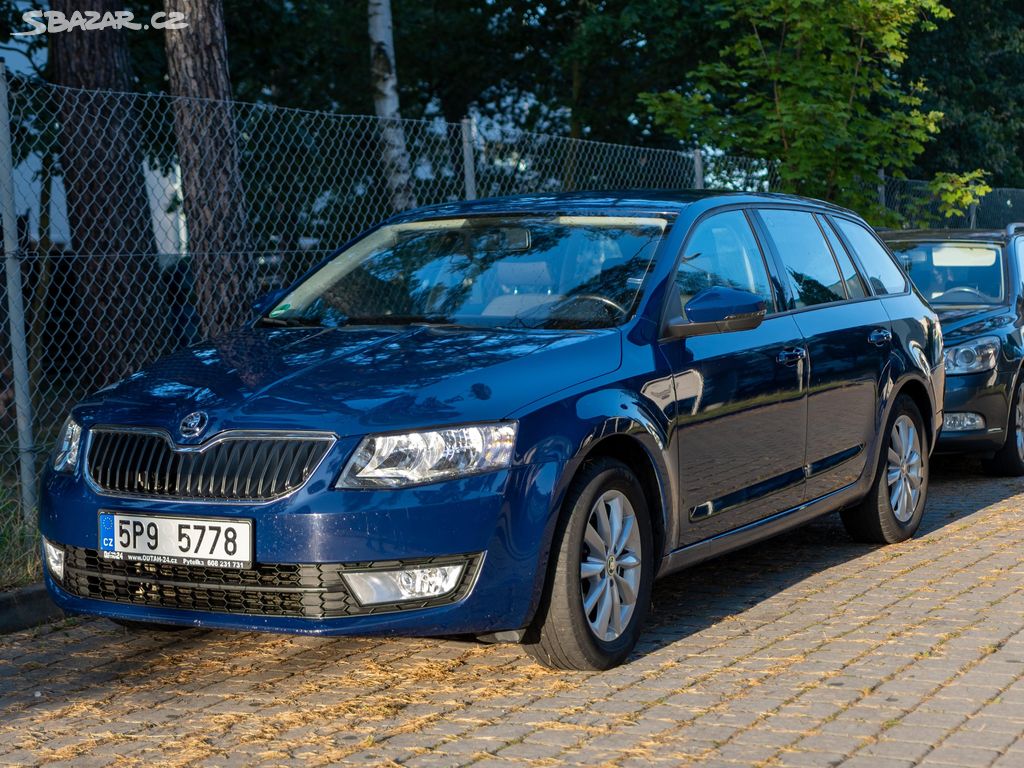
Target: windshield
<point>551,272</point>
<point>950,273</point>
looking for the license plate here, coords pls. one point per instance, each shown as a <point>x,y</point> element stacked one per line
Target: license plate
<point>207,541</point>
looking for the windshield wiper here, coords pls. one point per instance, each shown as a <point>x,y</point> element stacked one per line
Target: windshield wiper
<point>289,322</point>
<point>516,322</point>
<point>401,320</point>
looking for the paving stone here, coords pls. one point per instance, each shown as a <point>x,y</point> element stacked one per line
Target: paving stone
<point>951,754</point>
<point>807,651</point>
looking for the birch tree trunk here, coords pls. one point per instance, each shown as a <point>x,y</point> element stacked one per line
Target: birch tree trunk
<point>211,180</point>
<point>108,211</point>
<point>384,79</point>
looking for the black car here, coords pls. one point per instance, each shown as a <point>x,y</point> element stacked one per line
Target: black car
<point>973,279</point>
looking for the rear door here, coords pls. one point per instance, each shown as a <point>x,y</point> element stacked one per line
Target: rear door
<point>740,396</point>
<point>848,338</point>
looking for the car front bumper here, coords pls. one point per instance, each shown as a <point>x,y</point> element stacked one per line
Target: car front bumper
<point>987,394</point>
<point>498,524</point>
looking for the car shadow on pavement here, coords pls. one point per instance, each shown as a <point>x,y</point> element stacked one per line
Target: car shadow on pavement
<point>697,598</point>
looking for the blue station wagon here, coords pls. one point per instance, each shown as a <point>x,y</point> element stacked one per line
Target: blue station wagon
<point>505,418</point>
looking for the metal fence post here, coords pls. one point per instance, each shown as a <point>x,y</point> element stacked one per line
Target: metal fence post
<point>468,158</point>
<point>881,187</point>
<point>698,169</point>
<point>16,310</point>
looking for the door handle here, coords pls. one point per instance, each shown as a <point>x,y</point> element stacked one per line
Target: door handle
<point>880,337</point>
<point>791,355</point>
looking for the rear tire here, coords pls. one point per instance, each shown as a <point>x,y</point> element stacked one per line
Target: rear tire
<point>1009,460</point>
<point>149,626</point>
<point>598,590</point>
<point>893,508</point>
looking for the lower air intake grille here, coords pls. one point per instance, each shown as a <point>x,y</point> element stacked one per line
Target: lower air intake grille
<point>315,591</point>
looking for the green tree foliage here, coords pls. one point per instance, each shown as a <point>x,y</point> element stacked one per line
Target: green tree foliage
<point>813,84</point>
<point>620,48</point>
<point>974,67</point>
<point>572,65</point>
<point>956,192</point>
<point>599,54</point>
<point>560,65</point>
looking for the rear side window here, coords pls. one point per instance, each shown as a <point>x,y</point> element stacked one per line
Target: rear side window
<point>881,270</point>
<point>723,252</point>
<point>810,269</point>
<point>855,287</point>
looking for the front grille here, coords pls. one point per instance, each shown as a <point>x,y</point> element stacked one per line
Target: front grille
<point>242,467</point>
<point>312,591</point>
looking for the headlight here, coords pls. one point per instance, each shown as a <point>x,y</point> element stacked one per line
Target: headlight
<point>66,457</point>
<point>974,356</point>
<point>393,461</point>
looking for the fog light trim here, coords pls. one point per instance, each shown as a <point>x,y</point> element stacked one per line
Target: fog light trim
<point>380,587</point>
<point>54,559</point>
<point>963,422</point>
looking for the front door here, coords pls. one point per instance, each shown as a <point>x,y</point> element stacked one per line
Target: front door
<point>741,410</point>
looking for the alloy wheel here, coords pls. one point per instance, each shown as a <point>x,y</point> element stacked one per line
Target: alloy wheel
<point>904,469</point>
<point>610,565</point>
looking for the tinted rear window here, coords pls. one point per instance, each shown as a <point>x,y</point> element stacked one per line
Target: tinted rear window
<point>855,287</point>
<point>881,270</point>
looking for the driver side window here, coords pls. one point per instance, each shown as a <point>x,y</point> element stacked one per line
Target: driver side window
<point>722,251</point>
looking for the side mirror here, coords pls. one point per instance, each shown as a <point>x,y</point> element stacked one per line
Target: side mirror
<point>268,300</point>
<point>718,310</point>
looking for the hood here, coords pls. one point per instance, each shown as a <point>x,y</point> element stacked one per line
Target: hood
<point>960,324</point>
<point>354,380</point>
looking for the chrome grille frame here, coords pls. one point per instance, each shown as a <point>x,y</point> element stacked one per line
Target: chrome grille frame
<point>269,436</point>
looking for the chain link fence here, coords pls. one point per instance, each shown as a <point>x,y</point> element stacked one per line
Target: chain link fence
<point>916,205</point>
<point>142,222</point>
<point>135,224</point>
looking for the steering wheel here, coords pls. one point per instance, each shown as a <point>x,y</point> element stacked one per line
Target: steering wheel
<point>962,289</point>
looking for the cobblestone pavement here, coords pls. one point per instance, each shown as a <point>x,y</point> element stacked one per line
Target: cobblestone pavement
<point>803,651</point>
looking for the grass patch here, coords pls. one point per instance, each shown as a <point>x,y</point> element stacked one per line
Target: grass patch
<point>19,544</point>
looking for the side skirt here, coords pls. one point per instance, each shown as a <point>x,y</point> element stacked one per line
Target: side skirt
<point>778,523</point>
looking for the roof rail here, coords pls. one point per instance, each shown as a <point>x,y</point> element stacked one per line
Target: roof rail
<point>1011,229</point>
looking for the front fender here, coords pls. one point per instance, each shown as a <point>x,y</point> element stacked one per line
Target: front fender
<point>594,424</point>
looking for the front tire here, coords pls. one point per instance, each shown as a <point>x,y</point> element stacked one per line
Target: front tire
<point>598,592</point>
<point>1009,460</point>
<point>893,508</point>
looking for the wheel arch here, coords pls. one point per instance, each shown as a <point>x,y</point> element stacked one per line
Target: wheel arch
<point>628,449</point>
<point>1014,382</point>
<point>918,392</point>
<point>639,445</point>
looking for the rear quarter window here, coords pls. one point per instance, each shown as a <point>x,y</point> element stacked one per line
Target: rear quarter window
<point>855,287</point>
<point>881,271</point>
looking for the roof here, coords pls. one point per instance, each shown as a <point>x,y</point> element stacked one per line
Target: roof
<point>907,235</point>
<point>663,201</point>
